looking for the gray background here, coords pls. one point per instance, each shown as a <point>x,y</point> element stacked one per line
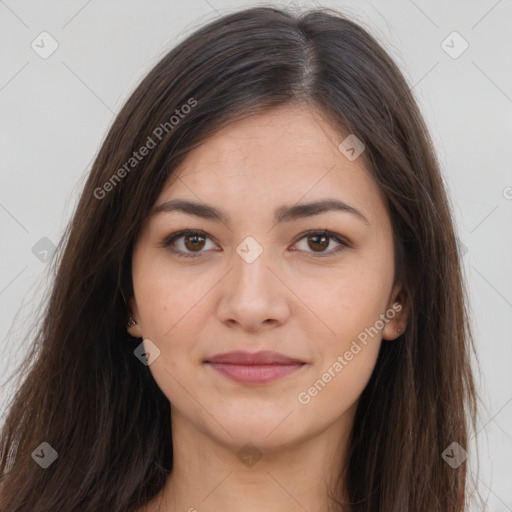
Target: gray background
<point>56,112</point>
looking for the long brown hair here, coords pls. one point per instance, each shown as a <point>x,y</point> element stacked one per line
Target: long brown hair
<point>85,393</point>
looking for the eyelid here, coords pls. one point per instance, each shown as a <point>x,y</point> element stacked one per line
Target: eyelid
<point>341,240</point>
<point>168,240</point>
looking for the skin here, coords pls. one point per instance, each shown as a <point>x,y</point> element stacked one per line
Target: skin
<point>290,300</point>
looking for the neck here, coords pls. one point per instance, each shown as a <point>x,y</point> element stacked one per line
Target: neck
<point>208,475</point>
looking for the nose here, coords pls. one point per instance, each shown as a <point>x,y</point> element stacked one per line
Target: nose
<point>252,296</point>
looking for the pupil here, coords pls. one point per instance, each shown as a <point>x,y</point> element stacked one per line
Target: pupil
<point>324,246</point>
<point>194,243</point>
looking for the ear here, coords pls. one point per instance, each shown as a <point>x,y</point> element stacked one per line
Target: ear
<point>397,313</point>
<point>134,330</point>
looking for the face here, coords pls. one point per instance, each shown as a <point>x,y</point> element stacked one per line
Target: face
<point>261,271</point>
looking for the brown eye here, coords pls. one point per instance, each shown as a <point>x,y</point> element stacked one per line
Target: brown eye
<point>194,242</point>
<point>190,243</point>
<point>319,242</point>
<point>187,243</point>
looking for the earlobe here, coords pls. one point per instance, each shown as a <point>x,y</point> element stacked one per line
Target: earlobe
<point>133,327</point>
<point>134,330</point>
<point>393,330</point>
<point>132,323</point>
<point>398,313</point>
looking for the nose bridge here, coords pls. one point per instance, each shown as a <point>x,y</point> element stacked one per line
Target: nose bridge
<point>251,274</point>
<point>252,294</point>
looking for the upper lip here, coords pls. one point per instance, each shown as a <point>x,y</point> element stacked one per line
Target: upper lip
<point>247,358</point>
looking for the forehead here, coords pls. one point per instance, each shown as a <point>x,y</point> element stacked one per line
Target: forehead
<point>285,155</point>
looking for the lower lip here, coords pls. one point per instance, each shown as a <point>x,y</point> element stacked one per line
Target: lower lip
<point>256,373</point>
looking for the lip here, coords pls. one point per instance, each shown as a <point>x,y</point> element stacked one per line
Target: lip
<point>257,367</point>
<point>264,357</point>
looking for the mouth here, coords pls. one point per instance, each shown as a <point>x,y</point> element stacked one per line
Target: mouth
<point>255,368</point>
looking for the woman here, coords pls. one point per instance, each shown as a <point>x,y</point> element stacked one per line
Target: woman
<point>259,302</point>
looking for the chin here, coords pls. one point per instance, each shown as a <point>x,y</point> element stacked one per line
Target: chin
<point>268,433</point>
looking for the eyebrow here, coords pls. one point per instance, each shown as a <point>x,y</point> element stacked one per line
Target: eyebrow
<point>282,214</point>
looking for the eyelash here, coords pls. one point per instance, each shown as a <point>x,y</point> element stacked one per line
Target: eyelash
<point>168,241</point>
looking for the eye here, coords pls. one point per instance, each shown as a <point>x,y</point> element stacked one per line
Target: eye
<point>320,240</point>
<point>188,240</point>
<point>189,243</point>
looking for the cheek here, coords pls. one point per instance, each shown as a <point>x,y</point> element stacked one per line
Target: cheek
<point>348,351</point>
<point>349,301</point>
<point>164,291</point>
<point>349,336</point>
<point>338,386</point>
